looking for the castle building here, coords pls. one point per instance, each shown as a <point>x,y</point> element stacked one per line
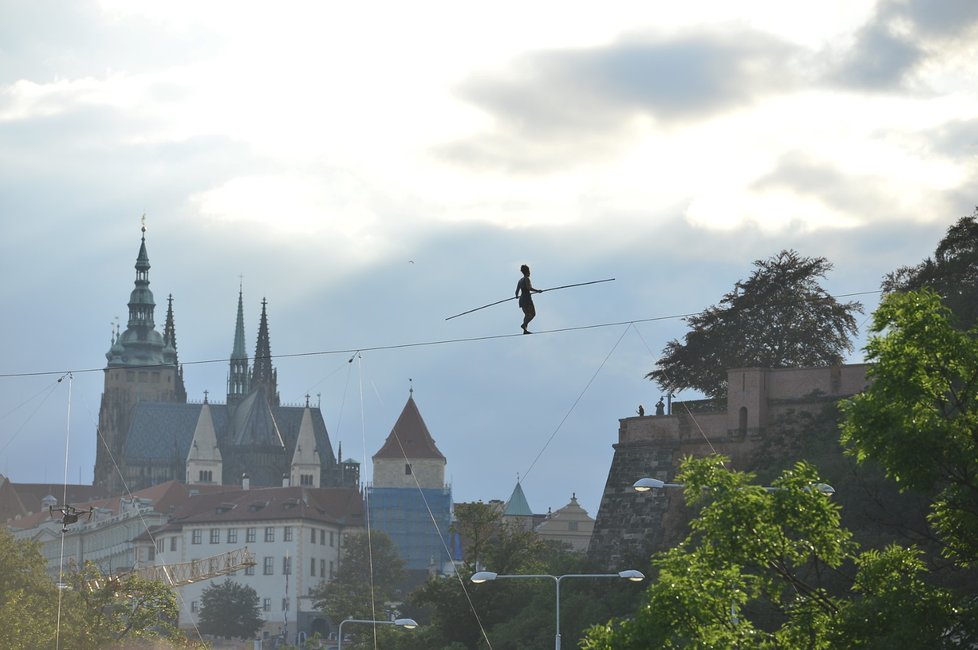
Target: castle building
<point>409,500</point>
<point>630,526</point>
<point>570,525</point>
<point>148,433</point>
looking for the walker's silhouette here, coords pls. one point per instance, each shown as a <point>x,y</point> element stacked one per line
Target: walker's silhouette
<point>524,291</point>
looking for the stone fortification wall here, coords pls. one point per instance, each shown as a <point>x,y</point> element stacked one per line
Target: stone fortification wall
<point>629,525</point>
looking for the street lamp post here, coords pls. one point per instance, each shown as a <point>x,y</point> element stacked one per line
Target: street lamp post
<point>407,623</point>
<point>629,574</point>
<point>646,484</point>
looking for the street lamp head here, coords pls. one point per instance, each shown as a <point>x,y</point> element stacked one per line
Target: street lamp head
<point>632,574</point>
<point>646,484</point>
<point>825,489</point>
<point>483,576</point>
<point>408,623</point>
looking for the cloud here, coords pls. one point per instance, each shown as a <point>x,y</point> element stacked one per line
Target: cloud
<point>69,40</point>
<point>900,38</point>
<point>553,107</point>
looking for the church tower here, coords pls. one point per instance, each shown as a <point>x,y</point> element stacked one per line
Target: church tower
<point>141,367</point>
<point>263,374</point>
<point>239,379</point>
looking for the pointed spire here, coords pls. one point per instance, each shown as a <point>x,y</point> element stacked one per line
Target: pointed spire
<point>263,373</point>
<point>238,379</point>
<point>140,344</point>
<point>169,330</point>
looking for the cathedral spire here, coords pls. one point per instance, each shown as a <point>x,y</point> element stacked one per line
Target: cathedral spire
<point>238,380</point>
<point>263,373</point>
<point>140,344</point>
<point>170,349</point>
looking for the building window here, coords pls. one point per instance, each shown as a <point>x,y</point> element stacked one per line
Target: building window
<point>232,535</point>
<point>331,539</point>
<point>269,534</point>
<point>250,570</point>
<point>250,536</point>
<point>286,566</point>
<point>196,536</point>
<point>407,468</point>
<point>322,568</point>
<point>206,476</point>
<point>215,535</point>
<point>173,543</point>
<point>159,545</point>
<point>305,479</point>
<point>312,567</point>
<point>193,606</point>
<point>312,535</point>
<point>269,565</point>
<point>287,534</point>
<point>330,569</point>
<point>322,537</point>
<point>572,525</point>
<point>266,604</point>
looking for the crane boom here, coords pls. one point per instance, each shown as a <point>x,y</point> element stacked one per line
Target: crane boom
<point>185,573</point>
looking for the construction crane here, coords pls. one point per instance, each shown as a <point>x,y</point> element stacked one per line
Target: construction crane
<point>185,573</point>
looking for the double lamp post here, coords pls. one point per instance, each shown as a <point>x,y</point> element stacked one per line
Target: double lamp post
<point>630,574</point>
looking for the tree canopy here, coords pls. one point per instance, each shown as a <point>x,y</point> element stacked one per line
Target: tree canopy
<point>919,416</point>
<point>89,612</point>
<point>230,609</point>
<point>779,317</point>
<point>767,568</point>
<point>369,571</point>
<point>952,272</point>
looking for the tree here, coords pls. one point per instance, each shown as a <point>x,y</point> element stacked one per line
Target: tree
<point>509,613</point>
<point>100,611</point>
<point>779,317</point>
<point>754,572</point>
<point>231,610</point>
<point>919,417</point>
<point>28,598</point>
<point>365,580</point>
<point>952,272</point>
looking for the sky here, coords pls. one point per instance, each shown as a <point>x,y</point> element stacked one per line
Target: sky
<point>373,168</point>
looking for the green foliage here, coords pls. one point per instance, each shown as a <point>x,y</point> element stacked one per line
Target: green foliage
<point>952,272</point>
<point>919,417</point>
<point>510,614</point>
<point>230,610</point>
<point>365,581</point>
<point>779,317</point>
<point>28,598</point>
<point>760,570</point>
<point>894,606</point>
<point>90,613</point>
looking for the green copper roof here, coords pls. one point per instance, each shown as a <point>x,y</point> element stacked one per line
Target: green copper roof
<point>517,505</point>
